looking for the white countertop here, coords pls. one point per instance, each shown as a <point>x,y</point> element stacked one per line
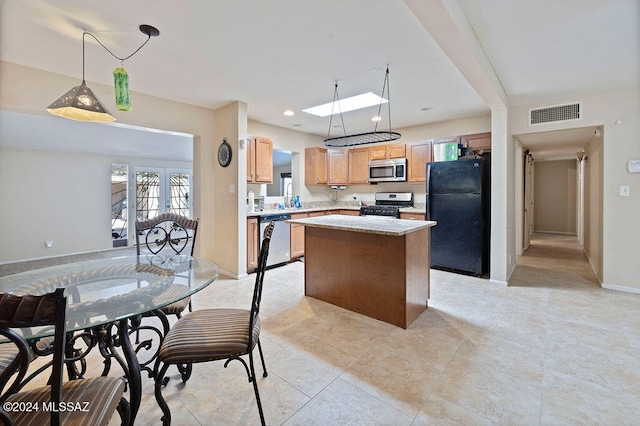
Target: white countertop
<point>368,224</point>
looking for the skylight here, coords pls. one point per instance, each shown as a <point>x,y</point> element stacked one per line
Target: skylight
<point>347,104</point>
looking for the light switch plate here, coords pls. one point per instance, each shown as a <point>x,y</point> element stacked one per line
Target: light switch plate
<point>624,191</point>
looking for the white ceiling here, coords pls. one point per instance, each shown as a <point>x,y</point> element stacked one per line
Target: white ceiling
<point>286,54</point>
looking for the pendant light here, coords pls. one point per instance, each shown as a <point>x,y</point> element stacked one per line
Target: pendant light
<point>363,138</point>
<point>81,104</point>
<point>121,86</point>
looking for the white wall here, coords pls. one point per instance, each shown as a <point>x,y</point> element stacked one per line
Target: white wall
<point>593,204</point>
<point>555,197</point>
<point>62,196</point>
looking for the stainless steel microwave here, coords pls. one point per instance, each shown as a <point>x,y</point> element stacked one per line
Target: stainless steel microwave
<point>394,170</point>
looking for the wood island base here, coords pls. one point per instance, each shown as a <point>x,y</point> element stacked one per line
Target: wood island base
<point>381,276</point>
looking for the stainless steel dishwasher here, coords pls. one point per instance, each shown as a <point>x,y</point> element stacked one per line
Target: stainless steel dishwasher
<point>280,246</point>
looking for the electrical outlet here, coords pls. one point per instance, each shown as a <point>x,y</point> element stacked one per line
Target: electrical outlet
<point>48,243</point>
<point>624,191</point>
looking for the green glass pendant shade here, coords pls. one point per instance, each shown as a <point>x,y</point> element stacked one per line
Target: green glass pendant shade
<point>121,85</point>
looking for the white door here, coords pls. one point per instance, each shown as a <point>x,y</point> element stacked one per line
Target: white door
<point>162,191</point>
<point>528,200</point>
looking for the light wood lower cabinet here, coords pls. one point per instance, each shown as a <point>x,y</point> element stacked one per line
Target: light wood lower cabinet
<point>252,243</point>
<point>297,237</point>
<point>412,216</point>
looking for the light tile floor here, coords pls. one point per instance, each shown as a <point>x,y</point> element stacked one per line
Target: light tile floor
<point>553,348</point>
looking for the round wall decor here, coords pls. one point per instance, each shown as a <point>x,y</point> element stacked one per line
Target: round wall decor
<point>224,153</point>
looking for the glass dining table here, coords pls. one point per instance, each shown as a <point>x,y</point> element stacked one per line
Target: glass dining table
<point>106,300</point>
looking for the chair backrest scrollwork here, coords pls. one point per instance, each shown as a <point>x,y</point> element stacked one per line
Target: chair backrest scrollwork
<point>167,230</point>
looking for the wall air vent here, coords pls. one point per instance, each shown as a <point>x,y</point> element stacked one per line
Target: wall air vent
<point>555,113</point>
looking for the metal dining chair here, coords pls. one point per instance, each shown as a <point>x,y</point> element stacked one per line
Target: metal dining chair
<point>99,397</point>
<point>213,335</point>
<point>168,231</point>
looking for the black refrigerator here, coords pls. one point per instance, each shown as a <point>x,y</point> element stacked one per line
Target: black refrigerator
<point>458,198</point>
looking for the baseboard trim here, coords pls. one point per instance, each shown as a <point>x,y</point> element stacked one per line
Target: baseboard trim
<point>593,268</point>
<point>499,282</point>
<point>622,288</point>
<point>234,276</point>
<point>556,233</point>
<point>513,269</point>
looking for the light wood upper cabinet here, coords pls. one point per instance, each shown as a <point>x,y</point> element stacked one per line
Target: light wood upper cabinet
<point>251,160</point>
<point>384,152</point>
<point>259,160</point>
<point>338,160</point>
<point>378,152</point>
<point>359,165</point>
<point>478,141</point>
<point>315,166</point>
<point>418,154</point>
<point>396,151</point>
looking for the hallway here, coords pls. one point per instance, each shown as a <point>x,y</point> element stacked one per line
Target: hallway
<point>554,261</point>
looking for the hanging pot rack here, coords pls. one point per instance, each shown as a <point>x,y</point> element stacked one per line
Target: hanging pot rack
<point>362,138</point>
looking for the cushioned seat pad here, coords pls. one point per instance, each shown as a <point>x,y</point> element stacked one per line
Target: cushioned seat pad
<point>101,393</point>
<point>176,307</point>
<point>207,335</point>
<point>8,354</point>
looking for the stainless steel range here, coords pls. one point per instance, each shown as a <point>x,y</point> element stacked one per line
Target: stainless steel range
<point>388,204</point>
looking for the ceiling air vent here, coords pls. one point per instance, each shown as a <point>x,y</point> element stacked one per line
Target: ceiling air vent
<point>555,113</point>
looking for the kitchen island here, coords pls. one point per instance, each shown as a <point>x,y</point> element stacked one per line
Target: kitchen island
<point>375,266</point>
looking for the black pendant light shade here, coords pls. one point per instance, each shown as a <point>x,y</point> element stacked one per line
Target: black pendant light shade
<point>80,104</point>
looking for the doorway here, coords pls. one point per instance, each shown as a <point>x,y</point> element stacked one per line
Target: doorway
<point>119,224</point>
<point>160,190</point>
<point>583,147</point>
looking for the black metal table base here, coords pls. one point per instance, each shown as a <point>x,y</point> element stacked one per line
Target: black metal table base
<point>107,340</point>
